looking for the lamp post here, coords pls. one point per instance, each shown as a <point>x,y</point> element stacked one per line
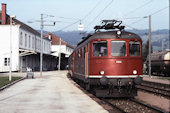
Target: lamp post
<point>41,40</point>
<point>169,23</point>
<point>150,45</point>
<point>149,55</point>
<point>41,51</point>
<point>10,67</point>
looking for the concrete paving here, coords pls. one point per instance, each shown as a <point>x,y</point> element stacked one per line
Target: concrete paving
<point>51,93</point>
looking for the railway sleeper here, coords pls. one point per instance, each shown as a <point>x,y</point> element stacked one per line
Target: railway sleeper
<point>155,84</point>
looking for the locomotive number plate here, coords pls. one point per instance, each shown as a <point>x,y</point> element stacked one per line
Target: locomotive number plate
<point>118,62</point>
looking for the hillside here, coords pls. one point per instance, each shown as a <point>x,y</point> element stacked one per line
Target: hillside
<point>73,37</point>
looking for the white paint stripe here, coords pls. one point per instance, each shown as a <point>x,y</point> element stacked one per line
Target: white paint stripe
<point>113,76</point>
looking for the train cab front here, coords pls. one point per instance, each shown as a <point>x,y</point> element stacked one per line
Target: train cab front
<point>116,66</point>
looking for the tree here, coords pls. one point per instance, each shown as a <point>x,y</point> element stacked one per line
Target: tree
<point>146,50</point>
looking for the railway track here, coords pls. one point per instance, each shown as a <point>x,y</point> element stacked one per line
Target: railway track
<point>119,105</point>
<point>132,106</point>
<point>156,88</point>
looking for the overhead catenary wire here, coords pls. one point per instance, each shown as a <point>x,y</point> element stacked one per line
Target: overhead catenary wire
<point>129,18</point>
<point>133,28</point>
<point>138,8</point>
<point>66,18</point>
<point>76,18</point>
<point>68,25</point>
<point>91,10</point>
<point>137,21</point>
<point>144,18</point>
<point>150,15</point>
<point>100,13</point>
<point>159,10</point>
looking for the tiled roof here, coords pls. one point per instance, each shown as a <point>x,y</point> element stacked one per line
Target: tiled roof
<point>24,26</point>
<point>55,40</point>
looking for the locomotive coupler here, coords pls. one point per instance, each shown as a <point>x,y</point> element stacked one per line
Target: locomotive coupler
<point>119,85</point>
<point>111,88</point>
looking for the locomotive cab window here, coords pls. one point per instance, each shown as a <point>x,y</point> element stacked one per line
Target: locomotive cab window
<point>134,48</point>
<point>118,48</point>
<point>100,48</point>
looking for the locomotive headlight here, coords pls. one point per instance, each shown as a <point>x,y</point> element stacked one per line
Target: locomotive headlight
<point>118,32</point>
<point>102,72</point>
<point>134,72</point>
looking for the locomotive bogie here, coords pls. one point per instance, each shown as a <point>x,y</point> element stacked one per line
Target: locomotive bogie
<point>106,81</point>
<point>115,92</point>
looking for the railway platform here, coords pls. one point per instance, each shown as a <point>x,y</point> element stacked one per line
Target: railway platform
<point>156,79</point>
<point>51,93</point>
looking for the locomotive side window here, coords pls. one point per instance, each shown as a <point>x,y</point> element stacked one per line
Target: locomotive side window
<point>100,48</point>
<point>84,51</point>
<point>134,48</point>
<point>118,48</point>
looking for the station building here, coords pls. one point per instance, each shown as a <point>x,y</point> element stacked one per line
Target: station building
<point>59,46</point>
<point>26,43</point>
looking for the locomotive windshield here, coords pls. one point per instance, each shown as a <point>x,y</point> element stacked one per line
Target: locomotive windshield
<point>118,48</point>
<point>134,49</point>
<point>100,48</point>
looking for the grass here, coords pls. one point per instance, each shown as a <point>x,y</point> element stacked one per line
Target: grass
<point>5,80</point>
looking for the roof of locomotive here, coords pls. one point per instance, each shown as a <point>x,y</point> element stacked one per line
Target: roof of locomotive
<point>108,34</point>
<point>113,34</point>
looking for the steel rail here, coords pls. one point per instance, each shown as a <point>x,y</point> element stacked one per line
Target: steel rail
<point>155,89</point>
<point>147,105</point>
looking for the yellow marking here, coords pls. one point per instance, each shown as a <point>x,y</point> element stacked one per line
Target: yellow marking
<point>86,65</point>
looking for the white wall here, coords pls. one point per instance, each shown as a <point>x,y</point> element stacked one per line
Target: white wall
<point>46,46</point>
<point>5,46</point>
<point>26,40</point>
<point>30,41</point>
<point>63,49</point>
<point>21,39</point>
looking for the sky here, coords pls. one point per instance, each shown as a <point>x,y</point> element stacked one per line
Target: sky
<point>68,13</point>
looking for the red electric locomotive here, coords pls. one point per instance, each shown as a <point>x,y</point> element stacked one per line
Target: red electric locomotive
<point>110,62</point>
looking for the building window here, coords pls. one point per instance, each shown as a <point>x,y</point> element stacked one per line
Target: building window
<point>40,45</point>
<point>33,43</point>
<point>29,42</point>
<point>21,38</point>
<point>44,46</point>
<point>25,40</point>
<point>84,51</point>
<point>6,61</point>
